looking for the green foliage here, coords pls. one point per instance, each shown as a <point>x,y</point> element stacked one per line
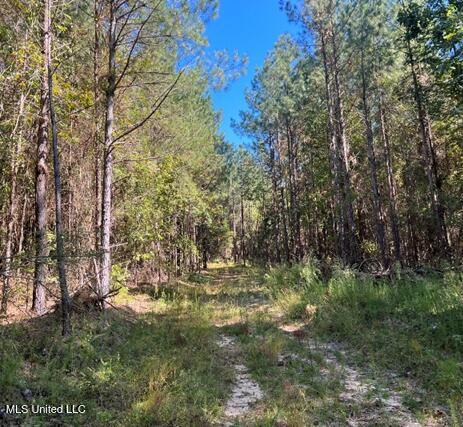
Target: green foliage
<point>295,289</point>
<point>418,319</point>
<point>156,370</point>
<point>299,277</point>
<point>437,28</point>
<point>119,275</point>
<point>170,189</point>
<point>357,52</point>
<point>10,366</point>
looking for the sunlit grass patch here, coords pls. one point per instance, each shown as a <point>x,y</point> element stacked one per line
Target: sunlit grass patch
<point>263,352</point>
<point>158,368</point>
<point>296,393</point>
<point>412,325</point>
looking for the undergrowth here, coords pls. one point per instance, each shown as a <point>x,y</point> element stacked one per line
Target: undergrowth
<point>411,324</point>
<point>163,367</point>
<point>145,370</point>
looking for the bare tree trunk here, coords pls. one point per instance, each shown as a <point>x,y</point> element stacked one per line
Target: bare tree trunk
<point>350,234</point>
<point>41,177</point>
<point>195,262</point>
<point>296,189</point>
<point>392,192</point>
<point>377,205</point>
<point>410,189</point>
<point>108,158</point>
<point>334,154</point>
<point>339,147</point>
<point>205,259</point>
<point>283,208</point>
<point>293,214</point>
<point>235,246</point>
<point>291,207</point>
<point>21,225</point>
<point>276,219</point>
<point>96,123</point>
<point>285,226</point>
<point>9,240</point>
<point>20,246</point>
<point>65,299</point>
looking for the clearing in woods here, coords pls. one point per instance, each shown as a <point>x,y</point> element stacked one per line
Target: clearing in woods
<point>211,350</point>
<point>283,375</point>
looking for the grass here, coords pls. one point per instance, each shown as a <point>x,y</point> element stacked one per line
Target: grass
<point>154,369</point>
<point>295,393</point>
<point>413,325</point>
<point>160,364</point>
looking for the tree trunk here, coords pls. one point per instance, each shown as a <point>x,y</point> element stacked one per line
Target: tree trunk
<point>285,226</point>
<point>429,160</point>
<point>195,257</point>
<point>243,248</point>
<point>108,158</point>
<point>21,225</point>
<point>296,189</point>
<point>41,177</point>
<point>20,246</point>
<point>338,217</point>
<point>65,299</point>
<point>96,127</point>
<point>204,259</point>
<point>233,211</point>
<point>276,216</point>
<point>293,214</point>
<point>349,233</point>
<point>377,205</point>
<point>12,204</point>
<point>410,189</point>
<point>283,208</point>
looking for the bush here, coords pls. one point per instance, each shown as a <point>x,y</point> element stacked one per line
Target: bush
<point>293,288</point>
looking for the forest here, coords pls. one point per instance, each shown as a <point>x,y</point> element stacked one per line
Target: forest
<point>154,273</point>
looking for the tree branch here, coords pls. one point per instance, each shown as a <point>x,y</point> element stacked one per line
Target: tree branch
<point>156,107</point>
<point>132,48</point>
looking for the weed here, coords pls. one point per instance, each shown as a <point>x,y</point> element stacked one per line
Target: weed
<point>158,369</point>
<point>413,326</point>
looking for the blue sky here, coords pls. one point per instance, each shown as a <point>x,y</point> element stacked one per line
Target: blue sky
<point>251,27</point>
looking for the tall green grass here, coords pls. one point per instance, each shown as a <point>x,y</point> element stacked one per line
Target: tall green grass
<point>155,369</point>
<point>411,324</point>
<point>293,288</point>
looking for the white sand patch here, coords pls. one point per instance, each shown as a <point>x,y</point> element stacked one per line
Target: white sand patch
<point>358,386</point>
<point>225,341</point>
<point>245,392</point>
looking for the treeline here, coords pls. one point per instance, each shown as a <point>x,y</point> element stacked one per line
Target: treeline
<point>108,146</point>
<point>358,130</point>
<point>113,168</point>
